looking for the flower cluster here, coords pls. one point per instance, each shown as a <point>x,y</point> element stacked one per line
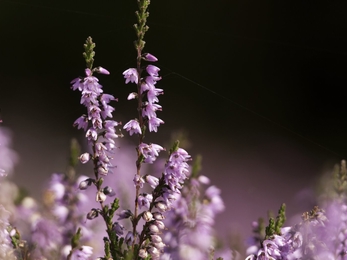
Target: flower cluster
<point>320,235</point>
<point>6,250</point>
<point>54,228</point>
<point>189,225</point>
<point>95,123</point>
<point>147,96</point>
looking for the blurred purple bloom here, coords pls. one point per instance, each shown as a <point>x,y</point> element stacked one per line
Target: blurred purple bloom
<point>7,155</point>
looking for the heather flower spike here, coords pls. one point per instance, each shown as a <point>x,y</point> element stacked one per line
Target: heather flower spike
<point>100,132</point>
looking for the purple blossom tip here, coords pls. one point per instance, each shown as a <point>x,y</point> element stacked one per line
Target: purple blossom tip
<point>101,70</point>
<point>88,72</point>
<point>84,158</point>
<point>132,95</point>
<point>149,57</point>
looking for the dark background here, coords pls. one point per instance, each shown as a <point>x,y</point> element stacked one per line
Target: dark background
<point>258,86</point>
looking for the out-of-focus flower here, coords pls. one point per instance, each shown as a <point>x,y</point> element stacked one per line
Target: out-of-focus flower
<point>8,157</point>
<point>6,251</point>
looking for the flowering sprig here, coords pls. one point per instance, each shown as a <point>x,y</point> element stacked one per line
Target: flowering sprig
<point>189,226</point>
<point>101,133</point>
<point>147,105</point>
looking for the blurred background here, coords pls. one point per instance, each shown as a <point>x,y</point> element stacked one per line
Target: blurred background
<point>258,87</point>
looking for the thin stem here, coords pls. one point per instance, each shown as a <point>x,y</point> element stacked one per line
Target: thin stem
<point>141,136</point>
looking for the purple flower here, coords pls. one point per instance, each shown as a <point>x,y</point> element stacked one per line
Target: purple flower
<point>145,200</point>
<point>132,95</point>
<point>91,134</point>
<point>153,124</point>
<point>153,70</point>
<point>81,122</point>
<point>152,181</point>
<point>150,152</point>
<point>129,238</point>
<point>125,214</point>
<point>106,98</point>
<point>84,158</point>
<point>149,110</point>
<point>118,228</point>
<point>149,57</point>
<point>101,70</point>
<point>133,127</point>
<point>130,75</point>
<point>82,253</point>
<point>138,181</point>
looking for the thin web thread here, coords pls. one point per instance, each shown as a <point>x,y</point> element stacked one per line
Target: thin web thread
<point>251,111</point>
<point>195,82</point>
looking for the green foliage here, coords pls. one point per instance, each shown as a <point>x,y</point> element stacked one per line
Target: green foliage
<point>274,227</point>
<point>140,27</point>
<point>76,238</point>
<point>75,152</point>
<point>89,53</point>
<point>21,247</point>
<point>175,147</point>
<point>196,166</point>
<point>340,179</point>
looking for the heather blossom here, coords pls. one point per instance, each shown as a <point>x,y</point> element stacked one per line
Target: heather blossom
<point>189,233</point>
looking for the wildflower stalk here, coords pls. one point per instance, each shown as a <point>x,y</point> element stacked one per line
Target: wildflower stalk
<point>141,28</point>
<point>97,125</point>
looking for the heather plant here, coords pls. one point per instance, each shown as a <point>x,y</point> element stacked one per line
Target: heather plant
<point>143,240</point>
<point>133,213</point>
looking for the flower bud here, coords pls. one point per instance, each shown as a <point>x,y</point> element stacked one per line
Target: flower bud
<point>84,184</point>
<point>129,238</point>
<point>109,191</point>
<point>151,180</point>
<point>84,158</point>
<point>100,196</point>
<point>158,216</point>
<point>161,206</point>
<point>92,214</point>
<point>203,179</point>
<point>154,252</point>
<point>159,224</point>
<point>125,214</point>
<point>156,239</point>
<point>147,216</point>
<point>132,95</point>
<point>101,70</point>
<point>118,228</point>
<point>149,57</point>
<point>154,229</point>
<point>143,253</point>
<point>102,170</point>
<point>159,245</point>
